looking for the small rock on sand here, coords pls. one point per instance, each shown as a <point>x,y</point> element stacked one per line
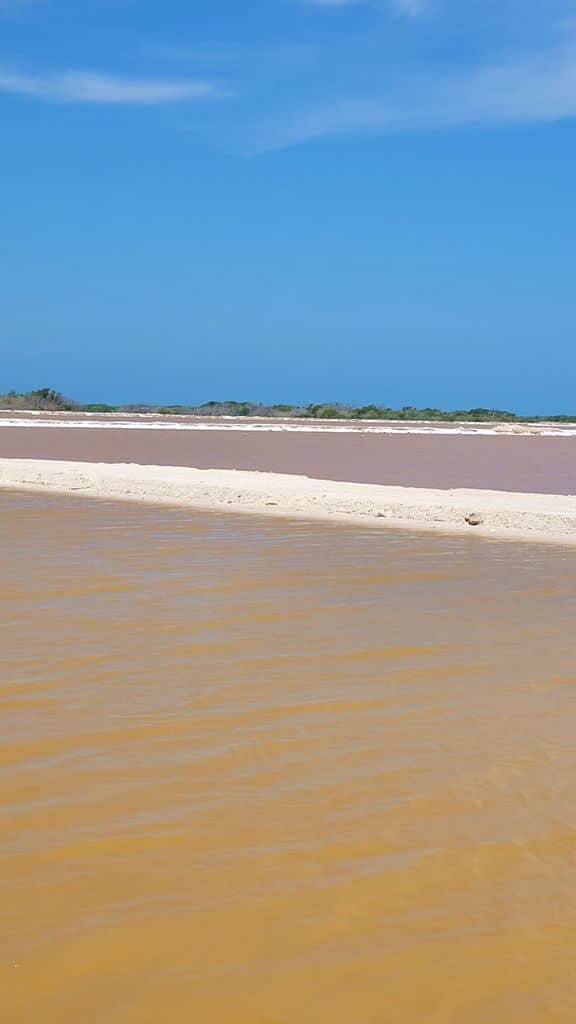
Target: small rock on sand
<point>474,519</point>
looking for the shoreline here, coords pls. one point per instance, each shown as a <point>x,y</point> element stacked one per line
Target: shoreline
<point>281,424</point>
<point>540,518</point>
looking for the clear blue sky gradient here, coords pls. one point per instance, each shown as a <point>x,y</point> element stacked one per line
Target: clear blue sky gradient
<point>290,201</point>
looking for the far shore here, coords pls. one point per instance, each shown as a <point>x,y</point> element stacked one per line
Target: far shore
<point>281,424</point>
<point>500,515</point>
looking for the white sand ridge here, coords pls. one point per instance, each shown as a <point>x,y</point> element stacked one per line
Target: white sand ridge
<point>502,514</point>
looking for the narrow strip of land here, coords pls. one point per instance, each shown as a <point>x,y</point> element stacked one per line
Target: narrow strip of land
<point>496,515</point>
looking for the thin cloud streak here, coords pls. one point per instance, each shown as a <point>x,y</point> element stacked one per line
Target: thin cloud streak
<point>92,87</point>
<point>531,90</point>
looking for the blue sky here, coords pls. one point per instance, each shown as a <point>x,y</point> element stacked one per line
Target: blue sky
<point>291,200</point>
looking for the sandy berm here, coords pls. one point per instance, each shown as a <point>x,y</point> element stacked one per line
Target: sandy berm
<point>495,514</point>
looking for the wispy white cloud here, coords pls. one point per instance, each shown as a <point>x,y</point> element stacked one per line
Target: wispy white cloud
<point>532,89</point>
<point>92,87</point>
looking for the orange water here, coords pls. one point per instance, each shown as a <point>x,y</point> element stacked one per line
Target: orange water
<point>270,773</point>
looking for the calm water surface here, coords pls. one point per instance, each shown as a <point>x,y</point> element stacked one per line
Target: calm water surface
<point>264,772</point>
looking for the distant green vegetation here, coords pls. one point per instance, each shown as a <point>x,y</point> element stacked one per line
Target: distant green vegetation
<point>49,400</point>
<point>43,398</point>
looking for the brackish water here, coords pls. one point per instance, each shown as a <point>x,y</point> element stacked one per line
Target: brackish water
<point>264,772</point>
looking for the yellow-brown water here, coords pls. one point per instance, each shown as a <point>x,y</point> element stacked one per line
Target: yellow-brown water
<point>270,773</point>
